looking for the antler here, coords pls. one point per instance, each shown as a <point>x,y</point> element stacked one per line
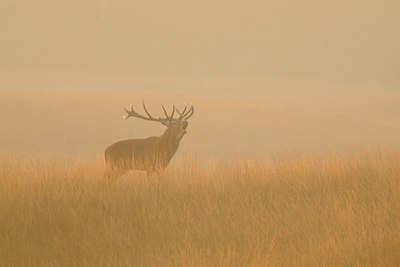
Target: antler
<point>184,115</point>
<point>187,115</point>
<point>132,113</point>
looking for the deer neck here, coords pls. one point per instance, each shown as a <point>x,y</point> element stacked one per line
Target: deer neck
<point>168,144</point>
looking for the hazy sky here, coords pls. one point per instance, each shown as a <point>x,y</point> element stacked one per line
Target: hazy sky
<point>304,75</point>
<point>356,41</point>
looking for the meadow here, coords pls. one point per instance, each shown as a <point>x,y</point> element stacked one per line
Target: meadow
<point>293,209</point>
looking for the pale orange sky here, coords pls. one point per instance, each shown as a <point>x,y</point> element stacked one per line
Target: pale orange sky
<point>263,75</point>
<point>356,41</point>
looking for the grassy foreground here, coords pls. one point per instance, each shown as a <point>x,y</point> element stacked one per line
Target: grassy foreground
<point>302,210</point>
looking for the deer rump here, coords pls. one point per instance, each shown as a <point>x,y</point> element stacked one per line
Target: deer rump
<point>138,154</point>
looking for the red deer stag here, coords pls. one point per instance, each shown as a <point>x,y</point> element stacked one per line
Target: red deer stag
<point>151,154</point>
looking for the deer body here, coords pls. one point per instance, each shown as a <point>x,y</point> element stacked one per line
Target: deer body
<point>151,154</point>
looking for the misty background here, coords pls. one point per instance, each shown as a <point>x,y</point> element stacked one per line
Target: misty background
<point>264,76</point>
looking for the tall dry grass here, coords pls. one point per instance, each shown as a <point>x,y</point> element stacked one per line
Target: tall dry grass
<point>304,210</point>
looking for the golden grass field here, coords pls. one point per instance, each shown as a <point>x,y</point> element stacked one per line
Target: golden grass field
<point>322,209</point>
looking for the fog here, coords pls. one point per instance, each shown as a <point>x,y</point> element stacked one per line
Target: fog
<point>264,76</point>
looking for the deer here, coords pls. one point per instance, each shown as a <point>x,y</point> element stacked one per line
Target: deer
<point>151,154</point>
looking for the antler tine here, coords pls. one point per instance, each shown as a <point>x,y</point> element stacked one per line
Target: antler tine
<point>125,117</point>
<point>145,110</point>
<point>179,113</point>
<point>189,113</point>
<point>182,113</point>
<point>170,117</point>
<point>165,112</point>
<point>173,112</point>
